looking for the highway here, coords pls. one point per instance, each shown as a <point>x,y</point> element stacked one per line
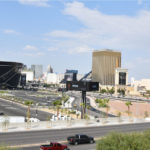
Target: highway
<point>44,136</point>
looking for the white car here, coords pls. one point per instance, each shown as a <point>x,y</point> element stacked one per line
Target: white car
<point>34,120</point>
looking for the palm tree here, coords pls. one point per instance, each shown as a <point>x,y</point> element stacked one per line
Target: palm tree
<point>119,116</point>
<point>128,104</point>
<point>104,104</point>
<point>28,103</point>
<point>88,107</point>
<point>57,104</point>
<point>83,110</point>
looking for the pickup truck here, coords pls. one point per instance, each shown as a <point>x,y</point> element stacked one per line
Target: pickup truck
<point>54,146</point>
<point>80,139</point>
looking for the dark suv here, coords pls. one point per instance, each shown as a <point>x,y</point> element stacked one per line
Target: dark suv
<point>80,139</point>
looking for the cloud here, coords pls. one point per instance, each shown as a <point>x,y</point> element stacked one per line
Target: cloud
<point>80,49</point>
<point>101,30</point>
<point>10,31</point>
<point>37,3</point>
<point>30,47</point>
<point>50,49</point>
<point>140,2</point>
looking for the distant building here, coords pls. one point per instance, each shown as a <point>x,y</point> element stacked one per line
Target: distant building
<point>49,69</point>
<point>71,75</point>
<point>60,77</point>
<point>37,71</point>
<point>52,78</point>
<point>141,84</point>
<point>29,75</point>
<point>121,76</point>
<point>104,63</point>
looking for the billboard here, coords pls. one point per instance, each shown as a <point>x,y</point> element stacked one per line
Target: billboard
<point>82,86</point>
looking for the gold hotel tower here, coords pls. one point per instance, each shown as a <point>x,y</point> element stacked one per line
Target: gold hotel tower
<point>104,63</point>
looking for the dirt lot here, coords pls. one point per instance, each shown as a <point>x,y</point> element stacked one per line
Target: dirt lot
<point>137,109</point>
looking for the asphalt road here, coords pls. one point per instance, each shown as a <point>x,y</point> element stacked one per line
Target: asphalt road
<point>124,98</point>
<point>72,147</point>
<point>44,136</point>
<point>13,109</point>
<point>38,97</point>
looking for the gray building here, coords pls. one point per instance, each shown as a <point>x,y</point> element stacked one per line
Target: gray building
<point>37,71</point>
<point>49,69</point>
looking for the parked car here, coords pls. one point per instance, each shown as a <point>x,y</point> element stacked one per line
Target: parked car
<point>34,120</point>
<point>54,146</point>
<point>80,139</point>
<point>1,113</point>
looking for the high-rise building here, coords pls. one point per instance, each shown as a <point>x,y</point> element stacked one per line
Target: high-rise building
<point>49,69</point>
<point>104,63</point>
<point>37,71</point>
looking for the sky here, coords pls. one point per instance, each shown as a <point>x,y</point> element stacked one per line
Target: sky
<point>63,33</point>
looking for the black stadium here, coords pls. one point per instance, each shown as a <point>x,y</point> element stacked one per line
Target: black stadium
<point>10,74</point>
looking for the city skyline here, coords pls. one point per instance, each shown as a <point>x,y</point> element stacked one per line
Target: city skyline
<point>60,33</point>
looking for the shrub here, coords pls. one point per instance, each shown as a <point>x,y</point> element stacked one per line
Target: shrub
<point>3,147</point>
<point>125,141</point>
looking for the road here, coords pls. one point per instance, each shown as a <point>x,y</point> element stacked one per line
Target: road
<point>92,111</point>
<point>43,99</point>
<point>44,136</point>
<point>72,147</point>
<point>13,109</point>
<point>124,98</point>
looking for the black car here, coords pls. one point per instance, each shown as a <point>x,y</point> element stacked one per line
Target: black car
<point>1,113</point>
<point>80,139</point>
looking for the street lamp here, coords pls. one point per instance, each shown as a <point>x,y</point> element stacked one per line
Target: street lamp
<point>36,111</point>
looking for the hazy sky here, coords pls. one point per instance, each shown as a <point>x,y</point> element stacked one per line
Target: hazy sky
<point>63,33</point>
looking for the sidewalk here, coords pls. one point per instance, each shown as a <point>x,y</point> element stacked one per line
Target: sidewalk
<point>78,123</point>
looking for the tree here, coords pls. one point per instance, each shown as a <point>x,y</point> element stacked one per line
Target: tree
<point>146,114</point>
<point>28,103</point>
<point>57,104</point>
<point>112,91</point>
<point>5,122</point>
<point>83,110</point>
<point>148,92</point>
<point>121,91</point>
<point>119,115</point>
<point>88,108</point>
<point>102,91</point>
<point>104,103</point>
<point>128,104</point>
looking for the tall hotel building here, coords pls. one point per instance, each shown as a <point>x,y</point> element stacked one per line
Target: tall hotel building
<point>104,64</point>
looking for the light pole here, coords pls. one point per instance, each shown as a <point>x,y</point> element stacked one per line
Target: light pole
<point>36,111</point>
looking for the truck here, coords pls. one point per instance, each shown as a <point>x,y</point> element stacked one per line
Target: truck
<point>80,139</point>
<point>54,146</point>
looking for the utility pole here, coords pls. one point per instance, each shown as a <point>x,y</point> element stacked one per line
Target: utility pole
<point>83,112</point>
